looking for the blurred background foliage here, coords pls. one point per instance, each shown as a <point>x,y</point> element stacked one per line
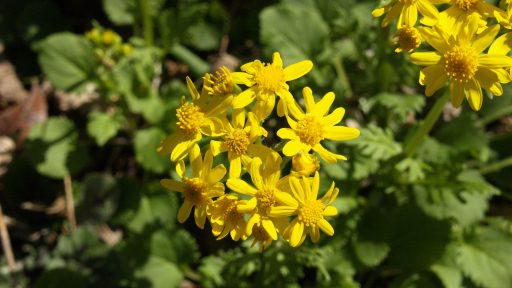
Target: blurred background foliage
<point>88,89</point>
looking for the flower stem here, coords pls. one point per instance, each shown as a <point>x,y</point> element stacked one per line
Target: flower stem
<point>496,166</point>
<point>495,116</point>
<point>70,202</point>
<point>147,22</point>
<point>197,65</point>
<point>412,143</point>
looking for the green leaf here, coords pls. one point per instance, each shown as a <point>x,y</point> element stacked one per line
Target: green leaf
<point>399,104</point>
<point>159,273</point>
<point>451,277</point>
<point>283,29</point>
<point>52,148</point>
<point>145,143</point>
<point>414,233</point>
<point>377,143</point>
<point>67,60</point>
<point>120,12</point>
<point>485,258</point>
<point>100,198</point>
<point>175,246</point>
<point>464,134</point>
<point>103,127</point>
<point>464,198</point>
<point>370,244</point>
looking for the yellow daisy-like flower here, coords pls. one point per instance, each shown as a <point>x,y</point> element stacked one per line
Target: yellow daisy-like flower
<point>407,12</point>
<point>308,129</point>
<point>238,141</point>
<point>220,83</point>
<point>460,13</point>
<point>259,232</point>
<point>310,212</point>
<point>407,38</point>
<point>265,81</point>
<point>459,60</point>
<point>504,17</point>
<point>266,178</point>
<point>194,119</point>
<point>199,189</point>
<point>226,219</point>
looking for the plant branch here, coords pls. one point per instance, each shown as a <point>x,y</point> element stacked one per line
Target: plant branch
<point>70,203</point>
<point>6,243</point>
<point>496,166</point>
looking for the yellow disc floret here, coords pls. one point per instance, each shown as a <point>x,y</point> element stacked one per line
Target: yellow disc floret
<point>189,118</point>
<point>194,190</point>
<point>220,83</point>
<point>310,130</point>
<point>311,212</point>
<point>270,78</point>
<point>237,141</point>
<point>408,38</point>
<point>266,199</point>
<point>460,63</point>
<point>466,5</point>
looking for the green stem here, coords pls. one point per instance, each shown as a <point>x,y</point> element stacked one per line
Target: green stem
<point>147,22</point>
<point>413,142</point>
<point>342,75</point>
<point>197,65</point>
<point>496,166</point>
<point>495,116</point>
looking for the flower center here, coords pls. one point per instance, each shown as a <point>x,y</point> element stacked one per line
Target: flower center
<point>230,212</point>
<point>460,63</point>
<point>310,130</point>
<point>189,119</point>
<point>260,234</point>
<point>466,5</point>
<point>237,141</point>
<point>194,190</point>
<point>220,83</point>
<point>311,212</point>
<point>270,78</point>
<point>266,199</point>
<point>408,38</point>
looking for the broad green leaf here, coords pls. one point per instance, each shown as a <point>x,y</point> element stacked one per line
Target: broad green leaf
<point>126,12</point>
<point>67,60</point>
<point>283,29</point>
<point>371,242</point>
<point>145,143</point>
<point>175,246</point>
<point>485,258</point>
<point>464,134</point>
<point>159,273</point>
<point>450,276</point>
<point>53,150</point>
<point>60,278</point>
<point>103,127</point>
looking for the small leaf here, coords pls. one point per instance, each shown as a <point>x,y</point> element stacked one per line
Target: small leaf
<point>377,143</point>
<point>450,276</point>
<point>102,127</point>
<point>159,273</point>
<point>145,143</point>
<point>67,60</point>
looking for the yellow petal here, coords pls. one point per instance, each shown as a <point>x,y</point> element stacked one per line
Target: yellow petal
<point>488,79</point>
<point>282,211</point>
<point>410,16</point>
<point>250,224</point>
<point>195,160</point>
<point>328,156</point>
<point>199,217</point>
<point>276,59</point>
<point>322,107</point>
<point>192,89</point>
<point>326,227</point>
<point>315,186</point>
<point>437,82</point>
<point>428,10</point>
<point>216,174</point>
<point>217,147</point>
<point>457,94</point>
<point>247,206</point>
<point>296,236</point>
<point>286,199</point>
<point>309,100</point>
<point>173,185</point>
<point>184,211</point>
<point>315,234</point>
<point>494,61</point>
<point>264,108</point>
<point>169,143</point>
<point>392,14</point>
<point>434,39</point>
<point>379,11</point>
<point>180,151</point>
<point>502,45</point>
<point>330,211</point>
<point>334,118</point>
<point>485,38</point>
<point>242,78</point>
<point>268,225</point>
<point>241,186</point>
<point>297,189</point>
<point>474,94</point>
<point>297,70</point>
<point>235,167</point>
<point>243,99</point>
<point>254,170</point>
<point>425,58</point>
<point>287,133</point>
<point>292,147</point>
<point>341,133</point>
<point>180,168</point>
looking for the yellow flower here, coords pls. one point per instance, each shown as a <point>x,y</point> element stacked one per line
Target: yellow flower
<point>126,49</point>
<point>308,129</point>
<point>266,178</point>
<point>459,60</point>
<point>504,17</point>
<point>238,141</point>
<point>194,119</point>
<point>460,13</point>
<point>310,212</point>
<point>199,189</point>
<point>265,81</point>
<point>258,230</point>
<point>226,219</point>
<point>304,164</point>
<point>110,37</point>
<point>407,38</point>
<point>407,12</point>
<point>219,84</point>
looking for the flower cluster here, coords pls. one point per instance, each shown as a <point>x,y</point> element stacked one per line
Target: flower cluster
<point>108,45</point>
<point>223,122</point>
<point>465,52</point>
